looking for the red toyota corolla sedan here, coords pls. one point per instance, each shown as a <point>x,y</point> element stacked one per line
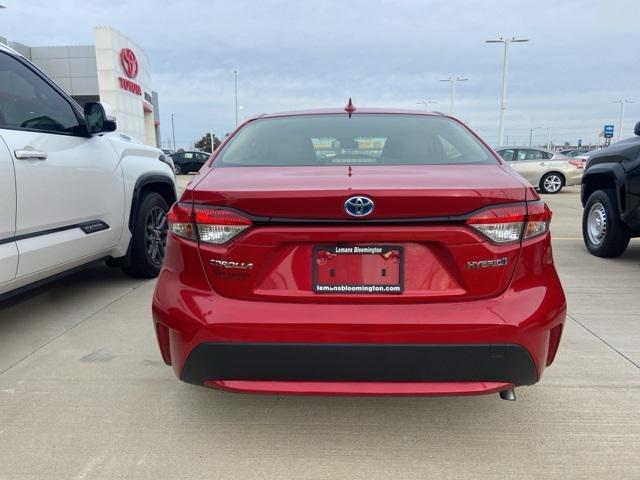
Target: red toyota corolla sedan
<point>358,252</point>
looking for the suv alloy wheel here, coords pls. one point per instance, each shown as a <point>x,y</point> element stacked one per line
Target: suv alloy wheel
<point>149,237</point>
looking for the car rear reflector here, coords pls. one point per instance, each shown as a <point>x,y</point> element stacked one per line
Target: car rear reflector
<point>554,341</point>
<point>512,223</point>
<point>206,224</point>
<point>162,332</point>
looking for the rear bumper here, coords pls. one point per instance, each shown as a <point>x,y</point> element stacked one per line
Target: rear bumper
<point>573,177</point>
<point>415,349</point>
<point>434,348</point>
<point>309,362</point>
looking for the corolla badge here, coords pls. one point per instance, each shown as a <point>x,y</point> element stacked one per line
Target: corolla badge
<point>358,206</point>
<point>231,265</point>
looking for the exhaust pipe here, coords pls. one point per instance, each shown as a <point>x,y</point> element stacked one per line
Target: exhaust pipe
<point>509,394</point>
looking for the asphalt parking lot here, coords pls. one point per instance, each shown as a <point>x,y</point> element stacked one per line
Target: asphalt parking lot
<point>85,395</point>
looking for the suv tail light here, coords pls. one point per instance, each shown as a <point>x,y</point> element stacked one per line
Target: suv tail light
<point>206,224</point>
<point>512,223</point>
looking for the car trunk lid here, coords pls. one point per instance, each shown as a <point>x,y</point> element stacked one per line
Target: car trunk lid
<point>416,233</point>
<point>398,192</point>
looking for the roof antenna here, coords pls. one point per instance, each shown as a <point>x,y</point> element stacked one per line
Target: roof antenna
<point>350,108</point>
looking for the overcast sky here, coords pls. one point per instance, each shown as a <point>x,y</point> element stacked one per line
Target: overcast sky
<point>582,55</point>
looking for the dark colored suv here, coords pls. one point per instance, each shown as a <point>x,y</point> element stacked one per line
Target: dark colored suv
<point>189,161</point>
<point>611,197</point>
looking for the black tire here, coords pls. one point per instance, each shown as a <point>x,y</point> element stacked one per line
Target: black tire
<point>552,183</point>
<point>603,232</point>
<point>178,169</point>
<point>149,237</point>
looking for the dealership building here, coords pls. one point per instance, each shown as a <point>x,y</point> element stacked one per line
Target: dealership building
<point>114,70</point>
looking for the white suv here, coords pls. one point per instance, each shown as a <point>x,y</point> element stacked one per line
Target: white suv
<point>72,192</point>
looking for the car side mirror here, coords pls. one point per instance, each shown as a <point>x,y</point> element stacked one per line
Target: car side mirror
<point>636,130</point>
<point>97,120</point>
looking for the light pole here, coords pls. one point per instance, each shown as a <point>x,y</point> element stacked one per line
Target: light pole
<point>453,81</point>
<point>621,124</point>
<point>548,138</point>
<point>426,103</point>
<point>531,134</point>
<point>212,137</point>
<point>503,105</point>
<point>235,81</point>
<point>173,132</point>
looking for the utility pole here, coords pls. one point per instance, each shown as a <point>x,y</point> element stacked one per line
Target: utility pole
<point>505,70</point>
<point>235,81</point>
<point>173,132</point>
<point>426,103</point>
<point>453,80</point>
<point>621,124</point>
<point>212,137</point>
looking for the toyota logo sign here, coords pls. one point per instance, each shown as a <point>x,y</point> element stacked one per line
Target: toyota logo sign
<point>129,62</point>
<point>358,206</point>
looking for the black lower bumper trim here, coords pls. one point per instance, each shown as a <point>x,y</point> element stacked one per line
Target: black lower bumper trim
<point>360,362</point>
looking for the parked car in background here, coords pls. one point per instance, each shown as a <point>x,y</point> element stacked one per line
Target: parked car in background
<point>611,197</point>
<point>187,161</point>
<point>72,191</point>
<point>578,154</point>
<point>169,161</point>
<point>546,170</point>
<point>574,152</point>
<point>409,261</point>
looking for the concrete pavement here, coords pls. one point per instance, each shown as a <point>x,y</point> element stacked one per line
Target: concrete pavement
<point>84,395</point>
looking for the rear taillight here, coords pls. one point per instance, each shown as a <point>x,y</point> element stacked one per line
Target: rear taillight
<point>500,224</point>
<point>576,163</point>
<point>180,220</point>
<point>512,223</point>
<point>206,224</point>
<point>538,219</point>
<point>218,226</point>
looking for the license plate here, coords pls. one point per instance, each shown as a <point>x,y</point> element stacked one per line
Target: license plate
<point>369,269</point>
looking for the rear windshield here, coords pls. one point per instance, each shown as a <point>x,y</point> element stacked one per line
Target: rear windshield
<point>363,139</point>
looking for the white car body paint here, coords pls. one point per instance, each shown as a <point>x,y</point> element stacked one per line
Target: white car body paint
<point>8,250</point>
